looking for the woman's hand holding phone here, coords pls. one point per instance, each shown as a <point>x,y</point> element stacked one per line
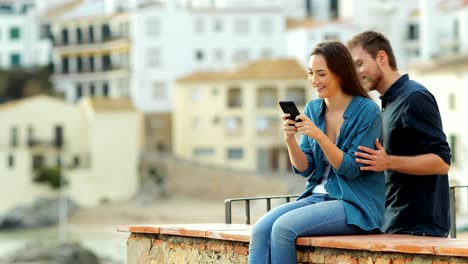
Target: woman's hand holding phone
<point>289,127</point>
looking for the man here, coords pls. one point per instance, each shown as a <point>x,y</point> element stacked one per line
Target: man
<point>415,154</point>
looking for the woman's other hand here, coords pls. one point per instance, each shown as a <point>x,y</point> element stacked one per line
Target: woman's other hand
<point>305,126</point>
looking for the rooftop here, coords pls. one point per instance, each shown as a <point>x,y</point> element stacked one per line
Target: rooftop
<point>277,69</point>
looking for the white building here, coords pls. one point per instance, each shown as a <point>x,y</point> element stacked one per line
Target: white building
<point>304,35</point>
<point>297,9</point>
<point>91,49</point>
<point>22,43</point>
<point>95,143</point>
<point>171,40</point>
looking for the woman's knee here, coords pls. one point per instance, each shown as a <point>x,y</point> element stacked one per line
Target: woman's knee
<point>260,231</point>
<point>283,230</point>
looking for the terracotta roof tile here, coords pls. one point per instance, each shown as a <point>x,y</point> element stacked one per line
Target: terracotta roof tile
<point>106,104</point>
<point>257,70</point>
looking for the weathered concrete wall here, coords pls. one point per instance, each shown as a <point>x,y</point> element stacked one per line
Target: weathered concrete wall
<point>164,249</point>
<point>167,249</point>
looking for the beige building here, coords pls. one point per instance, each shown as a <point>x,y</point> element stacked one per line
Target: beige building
<point>96,143</point>
<point>232,119</point>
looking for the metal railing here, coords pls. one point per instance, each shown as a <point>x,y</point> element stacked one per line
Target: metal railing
<point>287,199</point>
<point>453,208</point>
<point>228,205</point>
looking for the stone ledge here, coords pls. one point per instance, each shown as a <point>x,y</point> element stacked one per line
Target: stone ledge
<point>374,243</point>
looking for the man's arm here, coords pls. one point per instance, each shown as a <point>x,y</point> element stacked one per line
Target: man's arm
<point>378,160</point>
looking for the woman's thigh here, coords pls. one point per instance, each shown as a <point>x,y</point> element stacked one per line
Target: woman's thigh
<point>265,223</point>
<point>324,218</point>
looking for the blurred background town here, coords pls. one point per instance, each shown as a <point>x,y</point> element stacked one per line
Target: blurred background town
<point>144,111</point>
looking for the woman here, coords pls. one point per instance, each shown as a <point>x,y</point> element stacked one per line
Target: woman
<point>340,199</point>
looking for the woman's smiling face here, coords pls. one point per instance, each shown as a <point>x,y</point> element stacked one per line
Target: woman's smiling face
<point>326,83</point>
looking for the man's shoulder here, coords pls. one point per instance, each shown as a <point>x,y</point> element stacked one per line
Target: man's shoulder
<point>415,91</point>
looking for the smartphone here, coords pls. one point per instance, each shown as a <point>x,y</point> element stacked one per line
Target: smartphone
<point>289,107</point>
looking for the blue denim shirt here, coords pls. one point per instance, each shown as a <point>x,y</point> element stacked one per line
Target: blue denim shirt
<point>362,192</point>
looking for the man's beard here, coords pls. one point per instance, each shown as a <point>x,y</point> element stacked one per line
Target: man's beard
<point>375,80</point>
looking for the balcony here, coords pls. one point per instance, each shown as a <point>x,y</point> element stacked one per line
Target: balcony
<point>56,143</point>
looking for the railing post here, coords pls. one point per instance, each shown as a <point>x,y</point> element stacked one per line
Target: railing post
<point>247,211</point>
<point>268,204</point>
<point>453,215</point>
<point>227,211</point>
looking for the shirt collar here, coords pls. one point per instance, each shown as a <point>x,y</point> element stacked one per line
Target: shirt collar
<point>394,89</point>
<point>349,109</point>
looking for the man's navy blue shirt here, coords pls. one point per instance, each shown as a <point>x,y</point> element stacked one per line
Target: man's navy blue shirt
<point>413,126</point>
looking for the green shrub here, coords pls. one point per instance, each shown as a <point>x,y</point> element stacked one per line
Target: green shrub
<point>52,176</point>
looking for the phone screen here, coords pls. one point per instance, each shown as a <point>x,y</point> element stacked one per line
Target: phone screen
<point>289,107</point>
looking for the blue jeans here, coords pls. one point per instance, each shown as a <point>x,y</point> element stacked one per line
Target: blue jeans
<point>273,238</point>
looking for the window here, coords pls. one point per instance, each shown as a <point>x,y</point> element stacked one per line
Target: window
<point>106,63</point>
<point>267,125</point>
<point>105,90</point>
<point>159,90</point>
<point>11,161</point>
<point>91,64</point>
<point>199,55</point>
<point>266,26</point>
<point>15,33</point>
<point>79,35</point>
<point>79,91</point>
<point>203,152</point>
<point>92,89</point>
<point>331,36</point>
<point>233,125</point>
<point>334,9</point>
<point>218,55</point>
<point>234,97</point>
<point>267,97</point>
<point>65,36</point>
<point>413,32</point>
<point>79,64</point>
<point>37,162</point>
<point>196,95</point>
<point>266,53</point>
<point>453,147</point>
<point>218,25</point>
<point>76,161</point>
<point>64,65</point>
<point>241,26</point>
<point>235,153</point>
<point>153,27</point>
<point>296,94</point>
<point>58,136</point>
<point>14,136</point>
<point>452,102</point>
<point>45,31</point>
<point>153,57</point>
<point>91,33</point>
<point>30,136</point>
<point>199,26</point>
<point>106,32</point>
<point>15,60</point>
<point>241,55</point>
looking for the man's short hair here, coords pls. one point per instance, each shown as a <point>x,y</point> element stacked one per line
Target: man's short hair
<point>373,42</point>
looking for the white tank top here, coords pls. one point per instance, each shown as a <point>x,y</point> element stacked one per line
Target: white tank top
<point>320,188</point>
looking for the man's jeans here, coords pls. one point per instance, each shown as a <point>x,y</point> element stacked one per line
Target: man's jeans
<point>273,238</point>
